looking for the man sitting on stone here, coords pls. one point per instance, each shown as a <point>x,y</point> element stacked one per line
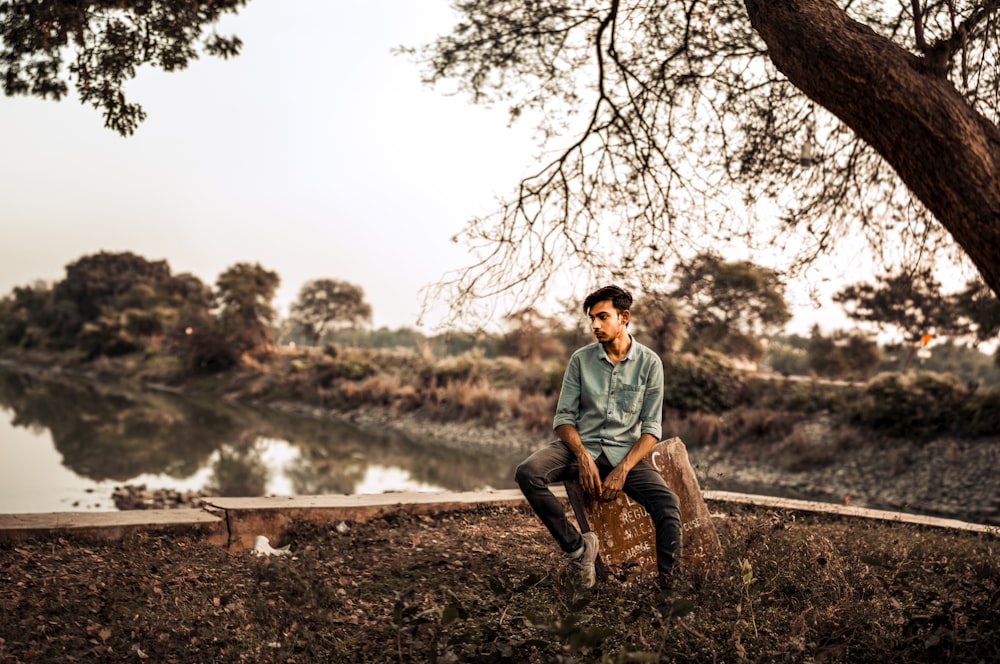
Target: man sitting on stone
<point>608,418</point>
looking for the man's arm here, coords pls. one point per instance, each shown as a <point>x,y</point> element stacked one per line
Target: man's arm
<point>615,480</point>
<point>564,423</point>
<point>590,478</point>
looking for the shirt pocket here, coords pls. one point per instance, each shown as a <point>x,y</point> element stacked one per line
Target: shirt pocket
<point>628,399</point>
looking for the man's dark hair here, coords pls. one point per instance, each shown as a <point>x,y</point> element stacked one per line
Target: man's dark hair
<point>620,298</point>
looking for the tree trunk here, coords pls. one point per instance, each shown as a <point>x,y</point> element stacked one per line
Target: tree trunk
<point>904,107</point>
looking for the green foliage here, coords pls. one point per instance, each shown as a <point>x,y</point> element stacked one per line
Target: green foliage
<point>244,293</point>
<point>909,302</point>
<point>347,366</point>
<point>658,318</point>
<point>28,316</point>
<point>842,355</point>
<point>705,382</point>
<point>324,305</point>
<point>923,405</point>
<point>982,308</point>
<point>112,304</point>
<point>110,41</point>
<point>967,363</point>
<point>982,410</point>
<point>730,305</point>
<point>787,360</point>
<point>798,396</point>
<point>96,291</point>
<point>458,368</point>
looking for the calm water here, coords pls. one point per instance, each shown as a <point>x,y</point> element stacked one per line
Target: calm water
<point>66,447</point>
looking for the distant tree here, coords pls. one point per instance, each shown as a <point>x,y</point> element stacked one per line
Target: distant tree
<point>28,316</point>
<point>106,304</point>
<point>110,39</point>
<point>109,304</point>
<point>196,336</point>
<point>96,281</point>
<point>786,354</point>
<point>244,293</point>
<point>967,363</point>
<point>532,336</point>
<point>982,308</point>
<point>842,355</point>
<point>327,305</point>
<point>458,342</point>
<point>911,303</point>
<point>659,319</point>
<point>403,337</point>
<point>730,305</point>
<point>787,359</point>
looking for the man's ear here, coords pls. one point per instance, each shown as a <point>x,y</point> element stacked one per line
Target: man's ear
<point>626,315</point>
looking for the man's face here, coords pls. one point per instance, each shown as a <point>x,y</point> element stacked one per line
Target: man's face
<point>606,322</point>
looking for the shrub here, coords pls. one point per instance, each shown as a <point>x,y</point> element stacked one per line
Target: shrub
<point>758,425</point>
<point>707,382</point>
<point>457,368</point>
<point>345,366</point>
<point>799,396</point>
<point>983,413</point>
<point>694,428</point>
<point>533,411</point>
<point>920,405</point>
<point>465,400</point>
<point>786,359</point>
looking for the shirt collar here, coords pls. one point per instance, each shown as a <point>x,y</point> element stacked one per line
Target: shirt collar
<point>628,355</point>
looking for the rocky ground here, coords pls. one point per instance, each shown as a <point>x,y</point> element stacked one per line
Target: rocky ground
<point>944,477</point>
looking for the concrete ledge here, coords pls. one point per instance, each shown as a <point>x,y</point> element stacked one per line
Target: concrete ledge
<point>846,510</point>
<point>115,525</point>
<point>249,517</point>
<point>235,522</point>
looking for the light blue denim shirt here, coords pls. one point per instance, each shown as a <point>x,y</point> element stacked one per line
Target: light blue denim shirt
<point>612,405</point>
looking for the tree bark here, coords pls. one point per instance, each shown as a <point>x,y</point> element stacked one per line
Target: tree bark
<point>902,105</point>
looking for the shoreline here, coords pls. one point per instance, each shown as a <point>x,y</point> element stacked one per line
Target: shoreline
<point>945,477</point>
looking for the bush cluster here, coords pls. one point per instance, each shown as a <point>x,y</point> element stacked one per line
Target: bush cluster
<point>707,382</point>
<point>924,405</point>
<point>798,396</point>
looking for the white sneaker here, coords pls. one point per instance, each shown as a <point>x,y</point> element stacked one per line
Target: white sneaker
<point>585,561</point>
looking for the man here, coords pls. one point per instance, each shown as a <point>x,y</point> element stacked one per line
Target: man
<point>608,418</point>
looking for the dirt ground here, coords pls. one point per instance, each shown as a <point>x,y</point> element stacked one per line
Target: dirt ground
<point>486,584</point>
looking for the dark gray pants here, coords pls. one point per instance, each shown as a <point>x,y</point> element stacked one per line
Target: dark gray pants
<point>643,484</point>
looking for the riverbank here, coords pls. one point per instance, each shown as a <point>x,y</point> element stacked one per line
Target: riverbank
<point>816,458</point>
<point>945,477</point>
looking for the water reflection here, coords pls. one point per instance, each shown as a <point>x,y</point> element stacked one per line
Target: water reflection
<point>107,435</point>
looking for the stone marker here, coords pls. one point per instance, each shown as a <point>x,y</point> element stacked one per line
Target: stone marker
<point>625,531</point>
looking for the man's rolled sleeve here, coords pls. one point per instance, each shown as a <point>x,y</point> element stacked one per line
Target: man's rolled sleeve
<point>568,406</point>
<point>651,414</point>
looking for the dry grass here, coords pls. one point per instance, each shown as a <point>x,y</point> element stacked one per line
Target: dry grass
<point>486,584</point>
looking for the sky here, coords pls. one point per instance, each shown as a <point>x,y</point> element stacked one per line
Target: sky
<point>316,153</point>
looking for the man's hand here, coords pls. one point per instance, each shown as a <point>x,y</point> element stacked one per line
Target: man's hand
<point>615,480</point>
<point>613,483</point>
<point>590,477</point>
